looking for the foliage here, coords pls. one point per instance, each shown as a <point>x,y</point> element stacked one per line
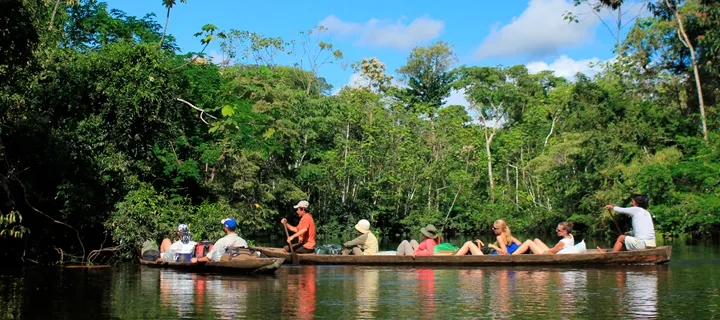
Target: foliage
<point>107,134</point>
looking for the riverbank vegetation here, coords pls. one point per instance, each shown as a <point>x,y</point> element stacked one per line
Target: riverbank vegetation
<point>110,136</point>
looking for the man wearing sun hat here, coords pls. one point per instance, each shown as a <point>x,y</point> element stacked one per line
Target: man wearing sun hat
<point>230,240</point>
<point>305,230</point>
<point>365,244</point>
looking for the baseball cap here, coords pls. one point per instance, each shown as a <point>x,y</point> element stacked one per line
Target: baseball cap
<point>229,222</point>
<point>302,204</point>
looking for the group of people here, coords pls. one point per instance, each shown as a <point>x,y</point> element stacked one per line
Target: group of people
<point>182,249</point>
<point>642,236</point>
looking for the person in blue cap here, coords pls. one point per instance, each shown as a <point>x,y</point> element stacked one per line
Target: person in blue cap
<point>230,240</point>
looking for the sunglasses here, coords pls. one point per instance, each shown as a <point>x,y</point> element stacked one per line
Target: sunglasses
<point>558,230</point>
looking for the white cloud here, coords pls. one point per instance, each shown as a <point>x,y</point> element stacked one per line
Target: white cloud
<point>567,67</point>
<point>215,57</point>
<point>354,81</point>
<point>387,33</point>
<point>457,98</point>
<point>538,32</point>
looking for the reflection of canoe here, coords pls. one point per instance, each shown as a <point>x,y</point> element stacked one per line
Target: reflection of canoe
<point>591,257</point>
<point>249,265</point>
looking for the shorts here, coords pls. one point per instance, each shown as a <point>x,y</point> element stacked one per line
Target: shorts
<point>634,244</point>
<point>299,248</point>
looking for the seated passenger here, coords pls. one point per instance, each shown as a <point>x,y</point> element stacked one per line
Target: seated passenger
<point>426,248</point>
<point>178,251</point>
<point>365,244</point>
<point>506,243</point>
<point>229,241</point>
<point>564,246</point>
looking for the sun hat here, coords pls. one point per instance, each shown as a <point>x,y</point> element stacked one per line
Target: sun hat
<point>302,204</point>
<point>429,231</point>
<point>363,226</point>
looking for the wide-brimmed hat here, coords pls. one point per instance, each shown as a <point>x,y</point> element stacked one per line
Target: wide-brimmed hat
<point>363,226</point>
<point>429,231</point>
<point>302,204</point>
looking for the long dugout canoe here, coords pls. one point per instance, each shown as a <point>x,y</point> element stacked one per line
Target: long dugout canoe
<point>657,255</point>
<point>242,266</point>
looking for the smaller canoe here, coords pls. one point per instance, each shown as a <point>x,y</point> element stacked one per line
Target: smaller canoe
<point>241,266</point>
<point>657,255</point>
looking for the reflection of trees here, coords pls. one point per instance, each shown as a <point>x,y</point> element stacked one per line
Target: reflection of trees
<point>11,297</point>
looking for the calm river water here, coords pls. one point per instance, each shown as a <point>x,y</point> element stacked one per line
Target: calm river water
<point>687,288</point>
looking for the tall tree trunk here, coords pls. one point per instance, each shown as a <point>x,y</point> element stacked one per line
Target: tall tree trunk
<point>488,142</point>
<point>687,43</point>
<point>167,19</point>
<point>52,18</point>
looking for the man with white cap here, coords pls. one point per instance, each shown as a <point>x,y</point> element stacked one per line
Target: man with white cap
<point>365,244</point>
<point>230,240</point>
<point>305,230</point>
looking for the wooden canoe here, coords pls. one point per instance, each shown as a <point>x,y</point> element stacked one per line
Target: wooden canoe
<point>657,255</point>
<point>243,266</point>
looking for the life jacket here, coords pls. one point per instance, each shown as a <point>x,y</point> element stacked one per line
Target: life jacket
<point>202,248</point>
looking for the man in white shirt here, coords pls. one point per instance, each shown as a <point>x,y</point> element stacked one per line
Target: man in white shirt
<point>643,234</point>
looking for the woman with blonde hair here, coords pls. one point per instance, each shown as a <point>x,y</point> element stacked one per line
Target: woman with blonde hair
<point>565,245</point>
<point>506,243</point>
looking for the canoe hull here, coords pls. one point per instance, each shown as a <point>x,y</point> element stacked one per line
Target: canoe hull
<point>648,256</point>
<point>245,266</point>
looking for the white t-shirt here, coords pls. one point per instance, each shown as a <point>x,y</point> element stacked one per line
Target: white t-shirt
<point>228,241</point>
<point>642,224</point>
<point>179,247</point>
<point>568,245</point>
<point>569,242</point>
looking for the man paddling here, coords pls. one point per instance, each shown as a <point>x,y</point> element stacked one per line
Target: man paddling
<point>305,230</point>
<point>230,240</point>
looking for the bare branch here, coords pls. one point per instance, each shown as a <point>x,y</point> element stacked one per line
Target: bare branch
<point>196,108</point>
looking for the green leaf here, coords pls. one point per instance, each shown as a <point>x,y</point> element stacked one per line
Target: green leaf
<point>227,111</point>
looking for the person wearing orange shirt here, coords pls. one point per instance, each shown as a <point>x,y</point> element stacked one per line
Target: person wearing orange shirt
<point>304,232</point>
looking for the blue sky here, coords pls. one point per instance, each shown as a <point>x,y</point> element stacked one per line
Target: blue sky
<point>483,32</point>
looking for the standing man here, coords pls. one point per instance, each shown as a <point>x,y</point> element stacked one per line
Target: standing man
<point>305,230</point>
<point>230,240</point>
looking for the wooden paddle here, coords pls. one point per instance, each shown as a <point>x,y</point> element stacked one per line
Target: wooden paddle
<point>615,221</point>
<point>293,255</point>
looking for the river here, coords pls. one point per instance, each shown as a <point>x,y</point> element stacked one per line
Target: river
<point>686,288</point>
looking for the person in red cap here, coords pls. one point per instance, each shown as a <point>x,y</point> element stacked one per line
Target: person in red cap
<point>305,230</point>
<point>230,240</point>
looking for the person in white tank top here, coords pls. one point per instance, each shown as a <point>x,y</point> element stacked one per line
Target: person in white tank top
<point>563,246</point>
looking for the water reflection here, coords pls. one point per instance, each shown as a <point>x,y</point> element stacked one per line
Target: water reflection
<point>366,292</point>
<point>328,292</point>
<point>300,293</point>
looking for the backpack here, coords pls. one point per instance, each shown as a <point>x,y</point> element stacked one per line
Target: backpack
<point>329,249</point>
<point>202,248</point>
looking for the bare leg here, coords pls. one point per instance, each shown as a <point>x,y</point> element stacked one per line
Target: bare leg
<point>619,244</point>
<point>529,245</point>
<point>523,247</point>
<point>471,247</point>
<point>541,244</point>
<point>165,245</point>
<point>356,251</point>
